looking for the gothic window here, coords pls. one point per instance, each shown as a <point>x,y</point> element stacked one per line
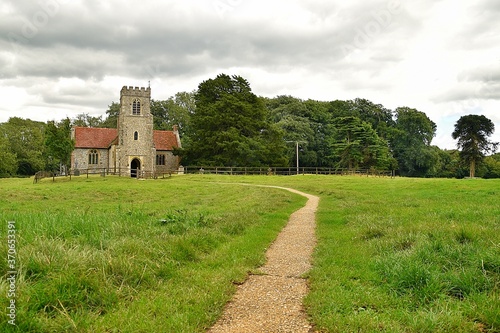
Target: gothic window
<point>160,159</point>
<point>136,136</point>
<point>93,157</point>
<point>136,107</point>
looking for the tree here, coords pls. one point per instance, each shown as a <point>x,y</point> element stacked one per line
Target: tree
<point>86,120</point>
<point>492,164</point>
<point>230,127</point>
<point>176,110</point>
<point>375,114</point>
<point>357,145</point>
<point>290,117</point>
<point>472,133</point>
<point>58,143</point>
<point>112,113</point>
<point>410,140</point>
<point>8,160</point>
<point>26,142</point>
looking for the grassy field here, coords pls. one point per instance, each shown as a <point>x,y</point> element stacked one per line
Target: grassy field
<point>121,255</point>
<point>405,255</point>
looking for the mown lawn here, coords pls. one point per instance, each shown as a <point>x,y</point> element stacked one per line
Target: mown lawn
<point>121,255</point>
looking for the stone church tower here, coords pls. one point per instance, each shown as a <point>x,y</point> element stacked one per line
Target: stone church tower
<point>135,149</point>
<point>132,149</point>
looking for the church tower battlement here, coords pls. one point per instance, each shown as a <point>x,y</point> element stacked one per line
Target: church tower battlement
<point>136,91</point>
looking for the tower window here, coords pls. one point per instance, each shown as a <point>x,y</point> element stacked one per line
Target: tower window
<point>93,157</point>
<point>136,136</point>
<point>160,159</point>
<point>136,107</point>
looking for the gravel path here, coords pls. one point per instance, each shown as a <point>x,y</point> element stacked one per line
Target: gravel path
<point>272,302</point>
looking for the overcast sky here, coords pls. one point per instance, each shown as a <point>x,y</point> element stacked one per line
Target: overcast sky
<point>59,58</point>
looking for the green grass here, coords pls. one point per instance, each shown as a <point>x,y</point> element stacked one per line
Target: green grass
<point>405,255</point>
<point>120,255</point>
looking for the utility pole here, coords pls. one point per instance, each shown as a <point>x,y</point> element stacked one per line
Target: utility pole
<point>297,152</point>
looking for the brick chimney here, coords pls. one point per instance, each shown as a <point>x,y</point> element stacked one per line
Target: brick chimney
<point>175,129</point>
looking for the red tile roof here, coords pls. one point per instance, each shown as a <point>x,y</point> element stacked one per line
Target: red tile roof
<point>165,140</point>
<point>89,137</point>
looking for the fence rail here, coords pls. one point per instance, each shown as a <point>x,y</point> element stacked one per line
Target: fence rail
<point>103,172</point>
<point>147,174</point>
<point>285,171</point>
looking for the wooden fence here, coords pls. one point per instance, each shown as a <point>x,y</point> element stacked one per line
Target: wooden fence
<point>285,171</point>
<point>103,172</point>
<point>147,174</point>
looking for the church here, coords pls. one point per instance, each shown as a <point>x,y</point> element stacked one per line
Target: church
<point>132,149</point>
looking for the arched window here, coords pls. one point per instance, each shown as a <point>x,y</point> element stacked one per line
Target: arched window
<point>136,136</point>
<point>93,157</point>
<point>136,107</point>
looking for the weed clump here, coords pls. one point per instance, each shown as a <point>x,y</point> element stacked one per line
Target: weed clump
<point>179,221</point>
<point>436,266</point>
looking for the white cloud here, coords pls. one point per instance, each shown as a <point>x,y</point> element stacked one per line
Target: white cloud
<point>59,58</point>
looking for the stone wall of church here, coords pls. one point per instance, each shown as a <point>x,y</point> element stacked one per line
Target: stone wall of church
<point>171,162</point>
<point>80,159</point>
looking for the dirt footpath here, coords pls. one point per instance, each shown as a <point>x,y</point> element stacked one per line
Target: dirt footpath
<point>272,302</point>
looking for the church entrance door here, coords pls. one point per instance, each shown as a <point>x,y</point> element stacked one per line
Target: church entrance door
<point>135,167</point>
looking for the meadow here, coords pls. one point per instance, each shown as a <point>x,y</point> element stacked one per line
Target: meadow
<point>404,255</point>
<point>121,255</point>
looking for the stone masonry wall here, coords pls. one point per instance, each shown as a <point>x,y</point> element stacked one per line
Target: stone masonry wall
<point>80,159</point>
<point>129,147</point>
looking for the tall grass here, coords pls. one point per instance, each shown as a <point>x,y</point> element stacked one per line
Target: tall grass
<point>121,255</point>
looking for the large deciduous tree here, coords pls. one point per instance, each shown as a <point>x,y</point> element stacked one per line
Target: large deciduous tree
<point>229,126</point>
<point>8,160</point>
<point>472,132</point>
<point>59,144</point>
<point>375,114</point>
<point>410,140</point>
<point>290,116</point>
<point>175,111</point>
<point>26,141</point>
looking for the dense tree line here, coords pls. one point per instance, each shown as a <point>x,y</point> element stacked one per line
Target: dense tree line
<point>223,123</point>
<point>29,146</point>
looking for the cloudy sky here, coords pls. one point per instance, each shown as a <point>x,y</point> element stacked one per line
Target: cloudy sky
<point>59,58</point>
